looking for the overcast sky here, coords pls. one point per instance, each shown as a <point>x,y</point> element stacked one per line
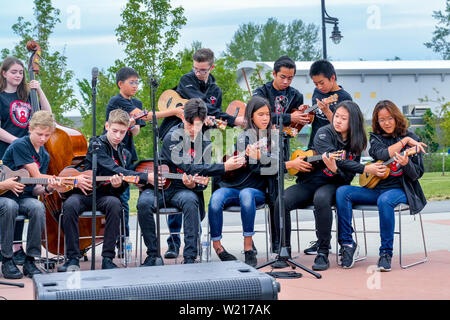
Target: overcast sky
<point>372,30</point>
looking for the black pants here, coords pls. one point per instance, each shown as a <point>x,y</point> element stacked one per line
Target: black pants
<point>301,195</point>
<point>75,205</point>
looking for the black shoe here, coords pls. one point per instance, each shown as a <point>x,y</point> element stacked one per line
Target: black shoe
<point>70,265</point>
<point>253,248</point>
<point>188,260</point>
<point>225,256</point>
<point>10,270</point>
<point>349,254</point>
<point>107,263</point>
<point>29,268</point>
<point>313,247</point>
<point>250,258</point>
<point>384,263</point>
<point>172,252</point>
<point>19,257</point>
<point>321,262</point>
<point>149,261</point>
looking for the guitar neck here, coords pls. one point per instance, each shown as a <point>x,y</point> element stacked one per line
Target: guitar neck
<point>409,152</point>
<point>173,176</point>
<point>26,180</point>
<point>312,108</point>
<point>313,158</point>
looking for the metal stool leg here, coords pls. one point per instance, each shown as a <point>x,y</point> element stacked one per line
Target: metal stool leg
<point>400,241</point>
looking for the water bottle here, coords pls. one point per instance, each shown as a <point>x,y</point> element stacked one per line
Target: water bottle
<point>205,248</point>
<point>128,249</point>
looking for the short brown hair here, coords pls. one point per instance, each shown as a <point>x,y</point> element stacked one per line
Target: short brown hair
<point>119,116</point>
<point>44,119</point>
<point>401,124</point>
<point>204,55</point>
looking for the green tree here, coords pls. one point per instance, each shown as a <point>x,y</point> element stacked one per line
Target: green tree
<point>269,41</point>
<point>428,132</point>
<point>440,41</point>
<point>149,30</point>
<point>54,76</point>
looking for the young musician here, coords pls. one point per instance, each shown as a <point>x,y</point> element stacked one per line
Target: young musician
<point>180,152</point>
<point>324,77</point>
<point>318,187</point>
<point>199,83</point>
<point>390,138</point>
<point>15,115</point>
<point>280,94</point>
<point>112,160</point>
<point>29,153</point>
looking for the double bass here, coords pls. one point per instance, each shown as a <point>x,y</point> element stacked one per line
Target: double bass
<point>66,147</point>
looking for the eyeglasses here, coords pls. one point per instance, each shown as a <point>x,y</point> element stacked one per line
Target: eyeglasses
<point>134,83</point>
<point>201,71</point>
<point>381,121</point>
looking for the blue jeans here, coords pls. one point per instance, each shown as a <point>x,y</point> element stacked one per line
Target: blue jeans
<point>247,198</point>
<point>386,200</point>
<point>124,198</point>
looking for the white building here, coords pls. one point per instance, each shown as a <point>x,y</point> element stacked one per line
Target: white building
<point>403,82</point>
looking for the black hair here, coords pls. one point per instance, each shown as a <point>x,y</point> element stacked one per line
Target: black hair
<point>124,74</point>
<point>323,67</point>
<point>356,132</point>
<point>204,55</point>
<point>194,108</point>
<point>255,103</point>
<point>284,61</point>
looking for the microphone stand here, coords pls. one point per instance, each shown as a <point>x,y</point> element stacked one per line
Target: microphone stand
<point>153,84</point>
<point>95,147</point>
<point>283,254</point>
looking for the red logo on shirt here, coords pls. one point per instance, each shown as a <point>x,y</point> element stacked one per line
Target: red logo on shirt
<point>20,113</point>
<point>213,99</point>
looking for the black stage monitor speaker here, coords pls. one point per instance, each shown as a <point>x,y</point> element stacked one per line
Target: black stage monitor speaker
<point>232,280</point>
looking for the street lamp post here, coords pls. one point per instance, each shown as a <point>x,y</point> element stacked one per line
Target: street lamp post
<point>335,35</point>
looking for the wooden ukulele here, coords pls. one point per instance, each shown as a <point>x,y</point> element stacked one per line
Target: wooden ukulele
<point>370,181</point>
<point>72,174</point>
<point>23,176</point>
<point>311,156</point>
<point>294,128</point>
<point>170,99</point>
<point>147,166</point>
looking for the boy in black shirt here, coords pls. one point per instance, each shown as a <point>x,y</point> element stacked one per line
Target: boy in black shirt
<point>181,156</point>
<point>29,153</point>
<point>324,77</point>
<point>112,160</point>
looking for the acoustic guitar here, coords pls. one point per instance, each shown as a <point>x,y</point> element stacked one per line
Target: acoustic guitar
<point>370,181</point>
<point>170,99</point>
<point>23,176</point>
<point>147,166</point>
<point>311,156</point>
<point>294,128</point>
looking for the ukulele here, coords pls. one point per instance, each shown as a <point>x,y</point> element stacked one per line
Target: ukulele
<point>170,99</point>
<point>230,176</point>
<point>370,181</point>
<point>311,156</point>
<point>294,128</point>
<point>72,173</point>
<point>147,166</point>
<point>23,176</point>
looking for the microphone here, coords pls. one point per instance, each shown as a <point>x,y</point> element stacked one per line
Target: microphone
<point>94,76</point>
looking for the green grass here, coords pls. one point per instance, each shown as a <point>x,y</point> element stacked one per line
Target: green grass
<point>434,185</point>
